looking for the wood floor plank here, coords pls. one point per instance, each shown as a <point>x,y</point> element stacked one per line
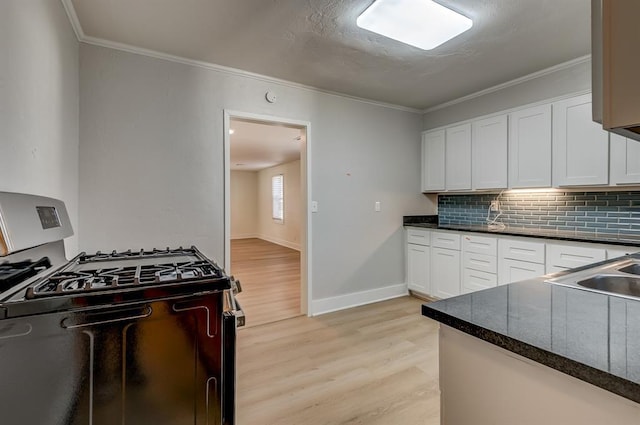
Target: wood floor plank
<point>374,365</point>
<point>270,279</point>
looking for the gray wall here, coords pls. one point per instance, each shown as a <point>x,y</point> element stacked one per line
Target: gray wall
<point>566,81</point>
<point>39,103</point>
<point>151,165</point>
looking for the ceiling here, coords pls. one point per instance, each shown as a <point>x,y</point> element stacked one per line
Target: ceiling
<point>317,43</point>
<point>255,146</point>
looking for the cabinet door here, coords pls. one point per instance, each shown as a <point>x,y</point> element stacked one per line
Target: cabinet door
<point>530,147</point>
<point>514,271</point>
<point>580,146</point>
<point>418,236</point>
<point>445,272</point>
<point>458,158</point>
<point>418,268</point>
<point>625,160</point>
<point>489,153</point>
<point>565,257</point>
<point>621,251</point>
<point>433,161</point>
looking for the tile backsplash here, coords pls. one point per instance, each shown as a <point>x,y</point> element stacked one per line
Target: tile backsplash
<point>596,212</point>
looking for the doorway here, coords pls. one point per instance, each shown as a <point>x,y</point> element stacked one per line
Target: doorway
<point>266,214</point>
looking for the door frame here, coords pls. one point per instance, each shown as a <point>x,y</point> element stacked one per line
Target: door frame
<point>305,185</point>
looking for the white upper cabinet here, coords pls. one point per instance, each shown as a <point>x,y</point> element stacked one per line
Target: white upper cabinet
<point>625,160</point>
<point>530,147</point>
<point>489,153</point>
<point>580,146</point>
<point>433,152</point>
<point>458,157</point>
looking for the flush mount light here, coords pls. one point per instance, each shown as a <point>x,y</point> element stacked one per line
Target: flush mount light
<point>424,24</point>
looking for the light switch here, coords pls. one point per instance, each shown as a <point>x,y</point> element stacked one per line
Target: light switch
<point>377,207</point>
<point>314,206</point>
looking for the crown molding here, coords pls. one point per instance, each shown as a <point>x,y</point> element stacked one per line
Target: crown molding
<point>533,76</point>
<point>73,18</point>
<point>234,71</point>
<point>83,38</point>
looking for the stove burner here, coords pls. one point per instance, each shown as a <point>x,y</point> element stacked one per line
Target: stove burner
<point>12,274</point>
<point>114,255</point>
<point>65,282</point>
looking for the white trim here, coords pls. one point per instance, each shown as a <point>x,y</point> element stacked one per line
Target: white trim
<point>537,74</point>
<point>234,71</point>
<point>73,18</point>
<point>282,242</point>
<point>245,236</point>
<point>306,269</point>
<point>341,302</point>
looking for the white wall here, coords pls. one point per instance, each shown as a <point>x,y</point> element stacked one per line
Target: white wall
<point>152,165</point>
<point>564,81</point>
<point>288,232</point>
<point>244,204</point>
<point>39,80</point>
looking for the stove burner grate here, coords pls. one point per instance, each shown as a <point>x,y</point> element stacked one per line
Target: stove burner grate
<point>12,274</point>
<point>84,281</point>
<point>115,255</point>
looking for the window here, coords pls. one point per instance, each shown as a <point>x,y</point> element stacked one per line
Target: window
<point>277,197</point>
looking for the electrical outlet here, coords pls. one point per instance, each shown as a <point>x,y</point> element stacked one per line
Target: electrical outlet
<point>495,206</point>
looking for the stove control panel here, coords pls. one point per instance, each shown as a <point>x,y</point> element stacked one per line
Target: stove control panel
<point>48,217</point>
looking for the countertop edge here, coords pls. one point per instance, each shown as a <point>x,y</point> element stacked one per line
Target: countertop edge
<point>599,378</point>
<point>603,241</point>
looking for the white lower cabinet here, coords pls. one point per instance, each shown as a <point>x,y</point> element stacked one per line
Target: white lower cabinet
<point>418,259</point>
<point>445,272</point>
<point>479,263</point>
<point>519,259</point>
<point>621,251</point>
<point>516,270</point>
<point>565,257</point>
<point>444,264</point>
<point>475,280</point>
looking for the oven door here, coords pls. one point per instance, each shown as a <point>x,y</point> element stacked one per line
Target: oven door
<point>233,317</point>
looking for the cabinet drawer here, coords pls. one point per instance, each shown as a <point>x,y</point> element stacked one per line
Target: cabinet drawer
<point>474,280</point>
<point>481,262</point>
<point>445,240</point>
<point>620,251</point>
<point>418,236</point>
<point>562,257</point>
<point>515,271</point>
<point>532,252</point>
<point>480,244</point>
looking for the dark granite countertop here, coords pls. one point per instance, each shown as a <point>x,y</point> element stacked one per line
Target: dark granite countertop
<point>628,240</point>
<point>591,336</point>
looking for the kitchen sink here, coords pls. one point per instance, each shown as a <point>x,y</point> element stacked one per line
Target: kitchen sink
<point>632,269</point>
<point>620,277</point>
<point>621,285</point>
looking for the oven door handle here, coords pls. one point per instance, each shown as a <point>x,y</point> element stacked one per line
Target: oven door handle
<point>105,318</point>
<point>233,307</point>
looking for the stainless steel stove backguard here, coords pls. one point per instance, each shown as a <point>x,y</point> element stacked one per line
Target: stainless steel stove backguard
<point>165,362</point>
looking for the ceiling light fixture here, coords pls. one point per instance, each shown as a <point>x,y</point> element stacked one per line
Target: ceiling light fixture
<point>424,24</point>
<point>231,131</point>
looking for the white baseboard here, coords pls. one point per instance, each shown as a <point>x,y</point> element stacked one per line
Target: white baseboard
<point>245,236</point>
<point>282,242</point>
<point>341,302</point>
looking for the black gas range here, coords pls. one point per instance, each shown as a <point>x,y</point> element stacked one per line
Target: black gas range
<point>131,337</point>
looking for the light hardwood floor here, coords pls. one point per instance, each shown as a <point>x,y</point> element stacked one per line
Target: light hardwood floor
<point>270,279</point>
<point>373,365</point>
